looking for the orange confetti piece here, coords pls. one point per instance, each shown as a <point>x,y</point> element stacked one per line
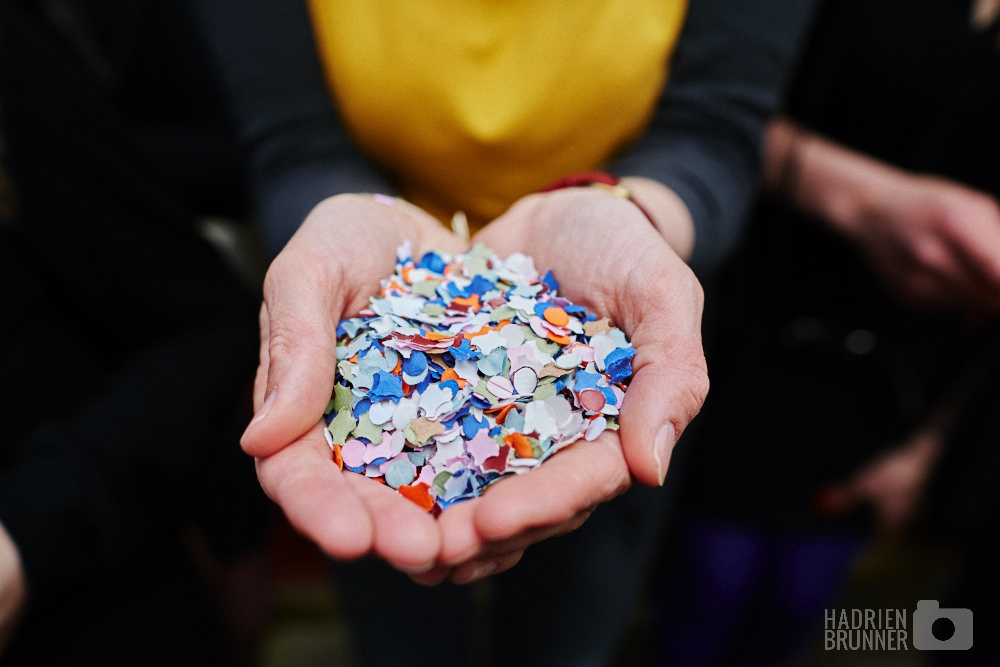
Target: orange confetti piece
<point>481,332</point>
<point>338,458</point>
<point>471,301</point>
<point>436,335</point>
<point>520,444</point>
<point>556,316</point>
<point>504,411</point>
<point>452,374</point>
<point>556,338</point>
<point>418,493</point>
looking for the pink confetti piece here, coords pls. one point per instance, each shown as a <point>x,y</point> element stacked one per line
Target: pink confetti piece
<point>501,387</point>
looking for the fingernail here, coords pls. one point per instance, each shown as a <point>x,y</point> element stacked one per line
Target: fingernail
<point>666,438</point>
<point>431,577</point>
<point>417,569</point>
<point>261,414</point>
<point>480,573</point>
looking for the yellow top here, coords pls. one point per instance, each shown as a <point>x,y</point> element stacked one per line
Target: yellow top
<point>471,104</point>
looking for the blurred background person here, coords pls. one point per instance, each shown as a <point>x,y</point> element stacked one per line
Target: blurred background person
<point>127,344</point>
<point>849,337</point>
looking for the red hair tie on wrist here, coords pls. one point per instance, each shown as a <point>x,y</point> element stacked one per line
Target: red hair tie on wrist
<point>600,180</point>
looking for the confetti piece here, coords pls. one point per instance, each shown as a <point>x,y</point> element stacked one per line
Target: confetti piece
<point>555,315</point>
<point>418,493</point>
<point>466,369</point>
<point>597,327</point>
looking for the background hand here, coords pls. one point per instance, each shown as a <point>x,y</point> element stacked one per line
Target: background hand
<point>892,484</point>
<point>935,242</point>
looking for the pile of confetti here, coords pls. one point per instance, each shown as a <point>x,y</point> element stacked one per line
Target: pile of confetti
<point>466,369</point>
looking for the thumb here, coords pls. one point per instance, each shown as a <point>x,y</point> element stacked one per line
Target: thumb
<point>297,357</point>
<point>669,384</point>
<point>660,402</point>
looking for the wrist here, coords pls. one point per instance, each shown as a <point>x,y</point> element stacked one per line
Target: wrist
<point>602,181</point>
<point>660,205</point>
<point>841,187</point>
<point>669,213</point>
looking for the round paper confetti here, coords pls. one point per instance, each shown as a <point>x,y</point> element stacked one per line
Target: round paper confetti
<point>466,369</point>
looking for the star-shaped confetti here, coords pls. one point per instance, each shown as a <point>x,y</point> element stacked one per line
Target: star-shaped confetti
<point>466,369</point>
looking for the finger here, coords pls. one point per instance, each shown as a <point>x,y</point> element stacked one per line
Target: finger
<point>461,541</point>
<point>555,494</point>
<point>670,375</point>
<point>308,289</point>
<point>480,569</point>
<point>405,536</point>
<point>305,482</point>
<point>298,358</point>
<point>976,244</point>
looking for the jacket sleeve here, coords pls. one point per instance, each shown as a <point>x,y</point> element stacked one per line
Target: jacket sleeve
<point>300,152</point>
<point>728,76</point>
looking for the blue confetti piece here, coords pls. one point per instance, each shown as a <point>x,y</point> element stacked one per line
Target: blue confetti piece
<point>432,262</point>
<point>386,385</point>
<point>398,473</point>
<point>416,364</point>
<point>493,363</point>
<point>479,401</point>
<point>480,285</point>
<point>618,363</point>
<point>471,426</point>
<point>423,384</point>
<point>585,380</point>
<point>464,351</point>
<point>454,289</point>
<point>550,281</point>
<point>514,421</point>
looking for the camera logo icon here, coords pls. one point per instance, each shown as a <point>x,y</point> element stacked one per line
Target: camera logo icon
<point>937,629</point>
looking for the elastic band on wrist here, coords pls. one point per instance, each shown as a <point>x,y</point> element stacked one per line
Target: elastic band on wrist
<point>601,180</point>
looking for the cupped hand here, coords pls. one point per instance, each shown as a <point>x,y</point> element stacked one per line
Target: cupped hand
<point>327,272</point>
<point>609,258</point>
<point>934,242</point>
